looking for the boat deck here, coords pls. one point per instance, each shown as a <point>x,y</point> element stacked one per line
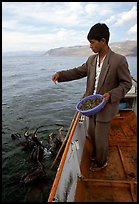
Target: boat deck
<point>118,181</point>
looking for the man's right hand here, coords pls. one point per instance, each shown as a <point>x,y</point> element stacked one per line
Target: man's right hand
<point>55,77</point>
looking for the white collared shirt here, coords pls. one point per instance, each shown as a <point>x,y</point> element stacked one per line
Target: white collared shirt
<point>98,70</point>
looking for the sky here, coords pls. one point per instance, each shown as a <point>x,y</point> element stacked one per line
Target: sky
<point>40,26</point>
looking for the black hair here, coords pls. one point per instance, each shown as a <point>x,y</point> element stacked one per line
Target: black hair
<point>99,31</point>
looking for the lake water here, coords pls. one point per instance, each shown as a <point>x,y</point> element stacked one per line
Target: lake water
<point>31,100</point>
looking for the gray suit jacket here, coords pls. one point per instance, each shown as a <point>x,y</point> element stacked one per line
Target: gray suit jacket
<point>114,78</point>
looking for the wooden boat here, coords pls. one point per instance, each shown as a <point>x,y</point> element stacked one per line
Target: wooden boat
<point>74,182</point>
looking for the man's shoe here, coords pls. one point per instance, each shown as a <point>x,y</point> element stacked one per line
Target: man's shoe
<point>92,158</point>
<point>95,167</point>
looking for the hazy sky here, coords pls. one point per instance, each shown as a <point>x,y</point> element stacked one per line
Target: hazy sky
<point>40,26</point>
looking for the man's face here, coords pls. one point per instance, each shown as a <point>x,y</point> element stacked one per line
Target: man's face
<point>96,46</point>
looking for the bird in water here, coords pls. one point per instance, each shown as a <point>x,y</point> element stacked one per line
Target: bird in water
<point>56,140</point>
<point>24,139</point>
<point>31,142</point>
<point>38,172</point>
<point>33,175</point>
<point>38,150</point>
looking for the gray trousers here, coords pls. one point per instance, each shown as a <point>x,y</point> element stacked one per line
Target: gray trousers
<point>99,133</point>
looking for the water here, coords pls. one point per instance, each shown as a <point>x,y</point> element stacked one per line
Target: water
<point>31,100</point>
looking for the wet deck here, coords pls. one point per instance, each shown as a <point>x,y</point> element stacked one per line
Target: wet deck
<point>118,181</point>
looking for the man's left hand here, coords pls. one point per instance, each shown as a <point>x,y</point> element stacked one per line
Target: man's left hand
<point>107,98</point>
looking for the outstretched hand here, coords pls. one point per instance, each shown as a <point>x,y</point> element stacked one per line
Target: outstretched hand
<point>55,77</point>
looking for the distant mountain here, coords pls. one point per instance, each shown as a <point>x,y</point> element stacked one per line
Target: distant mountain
<point>127,48</point>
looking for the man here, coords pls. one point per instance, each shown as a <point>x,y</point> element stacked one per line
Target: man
<point>107,74</point>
